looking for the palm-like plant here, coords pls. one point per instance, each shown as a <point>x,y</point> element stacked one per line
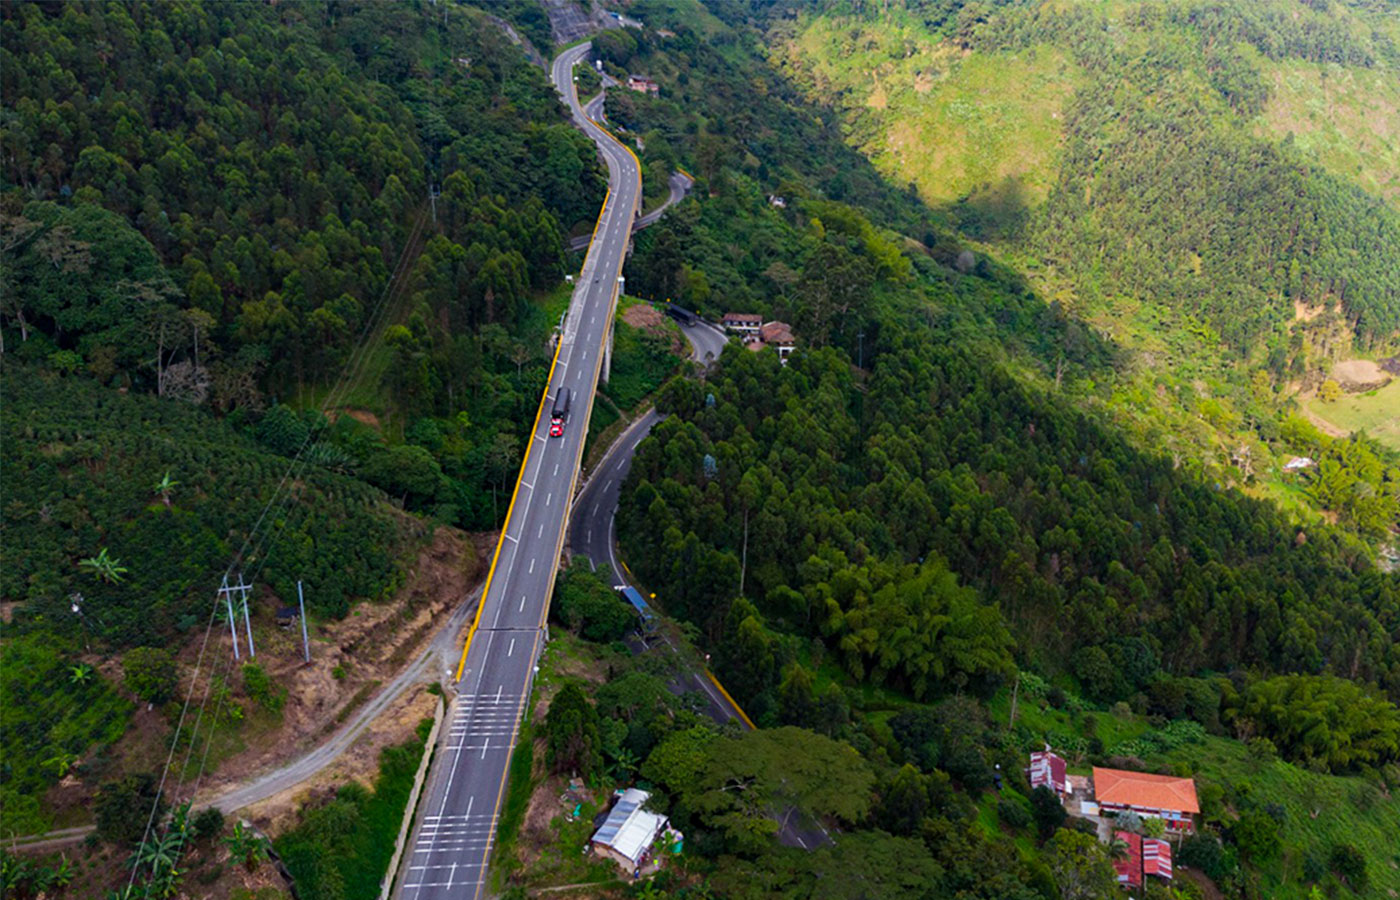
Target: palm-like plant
<point>106,567</point>
<point>63,872</point>
<point>245,845</point>
<point>79,674</point>
<point>165,487</point>
<point>159,853</point>
<point>61,762</point>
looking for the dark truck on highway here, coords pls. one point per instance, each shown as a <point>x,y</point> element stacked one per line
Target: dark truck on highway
<point>560,414</point>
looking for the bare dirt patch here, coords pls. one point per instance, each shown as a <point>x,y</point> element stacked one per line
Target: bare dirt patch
<point>1323,425</point>
<point>645,317</point>
<point>363,416</point>
<point>395,725</point>
<point>1359,375</point>
<point>370,645</point>
<point>1303,312</point>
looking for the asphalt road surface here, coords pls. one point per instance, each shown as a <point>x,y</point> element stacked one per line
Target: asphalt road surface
<point>453,836</point>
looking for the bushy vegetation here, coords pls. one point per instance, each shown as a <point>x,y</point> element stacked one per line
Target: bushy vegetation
<point>57,711</point>
<point>340,850</point>
<point>839,493</point>
<point>93,458</point>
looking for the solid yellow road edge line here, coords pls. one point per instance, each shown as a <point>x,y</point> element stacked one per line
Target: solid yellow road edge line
<point>737,708</point>
<point>529,446</point>
<point>568,507</point>
<point>510,511</point>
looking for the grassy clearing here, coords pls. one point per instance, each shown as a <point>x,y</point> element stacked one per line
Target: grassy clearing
<point>984,127</point>
<point>1375,412</point>
<point>1346,119</point>
<point>1319,811</point>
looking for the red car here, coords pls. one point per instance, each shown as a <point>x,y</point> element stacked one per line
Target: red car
<point>560,413</point>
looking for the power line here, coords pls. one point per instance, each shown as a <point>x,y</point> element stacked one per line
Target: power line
<point>350,376</point>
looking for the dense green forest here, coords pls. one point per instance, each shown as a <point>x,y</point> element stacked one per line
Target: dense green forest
<point>224,227</point>
<point>274,166</point>
<point>1162,188</point>
<point>966,512</point>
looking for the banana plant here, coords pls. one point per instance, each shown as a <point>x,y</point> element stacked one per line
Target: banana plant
<point>165,487</point>
<point>105,567</point>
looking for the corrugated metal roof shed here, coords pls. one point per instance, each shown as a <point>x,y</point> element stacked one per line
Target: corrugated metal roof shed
<point>629,829</point>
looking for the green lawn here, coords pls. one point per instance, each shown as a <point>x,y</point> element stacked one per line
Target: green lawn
<point>1375,412</point>
<point>1319,811</point>
<point>1345,118</point>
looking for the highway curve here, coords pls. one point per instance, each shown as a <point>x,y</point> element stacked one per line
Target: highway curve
<point>455,830</point>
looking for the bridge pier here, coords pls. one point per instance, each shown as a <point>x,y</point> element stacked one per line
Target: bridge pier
<point>607,354</point>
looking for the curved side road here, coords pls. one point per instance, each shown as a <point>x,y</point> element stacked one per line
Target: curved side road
<point>433,664</point>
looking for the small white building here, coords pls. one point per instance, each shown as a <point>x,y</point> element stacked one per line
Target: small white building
<point>629,831</point>
<point>1297,464</point>
<point>742,323</point>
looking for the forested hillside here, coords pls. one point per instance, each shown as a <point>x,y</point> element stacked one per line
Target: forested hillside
<point>1137,166</point>
<point>1159,188</point>
<point>237,236</point>
<point>957,491</point>
<point>278,161</point>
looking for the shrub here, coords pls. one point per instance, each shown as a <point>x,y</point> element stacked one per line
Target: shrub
<point>1012,814</point>
<point>1256,834</point>
<point>1202,851</point>
<point>124,807</point>
<point>207,823</point>
<point>150,673</point>
<point>1047,811</point>
<point>262,690</point>
<point>1350,865</point>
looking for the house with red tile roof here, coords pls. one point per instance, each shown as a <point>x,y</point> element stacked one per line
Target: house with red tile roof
<point>743,323</point>
<point>1171,799</point>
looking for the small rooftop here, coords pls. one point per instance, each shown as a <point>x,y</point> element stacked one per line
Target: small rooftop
<point>776,333</point>
<point>629,829</point>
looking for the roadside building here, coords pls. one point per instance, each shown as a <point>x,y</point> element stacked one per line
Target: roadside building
<point>742,323</point>
<point>642,85</point>
<point>1171,799</point>
<point>1145,856</point>
<point>1047,769</point>
<point>627,835</point>
<point>779,336</point>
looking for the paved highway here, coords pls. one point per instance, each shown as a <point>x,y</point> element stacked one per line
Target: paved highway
<point>451,845</point>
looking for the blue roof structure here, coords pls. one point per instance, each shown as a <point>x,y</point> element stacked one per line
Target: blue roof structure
<point>634,597</point>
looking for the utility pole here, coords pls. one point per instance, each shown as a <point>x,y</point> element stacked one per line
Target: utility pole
<point>243,589</point>
<point>305,642</point>
<point>232,620</point>
<point>434,192</point>
<point>744,564</point>
<point>1015,689</point>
